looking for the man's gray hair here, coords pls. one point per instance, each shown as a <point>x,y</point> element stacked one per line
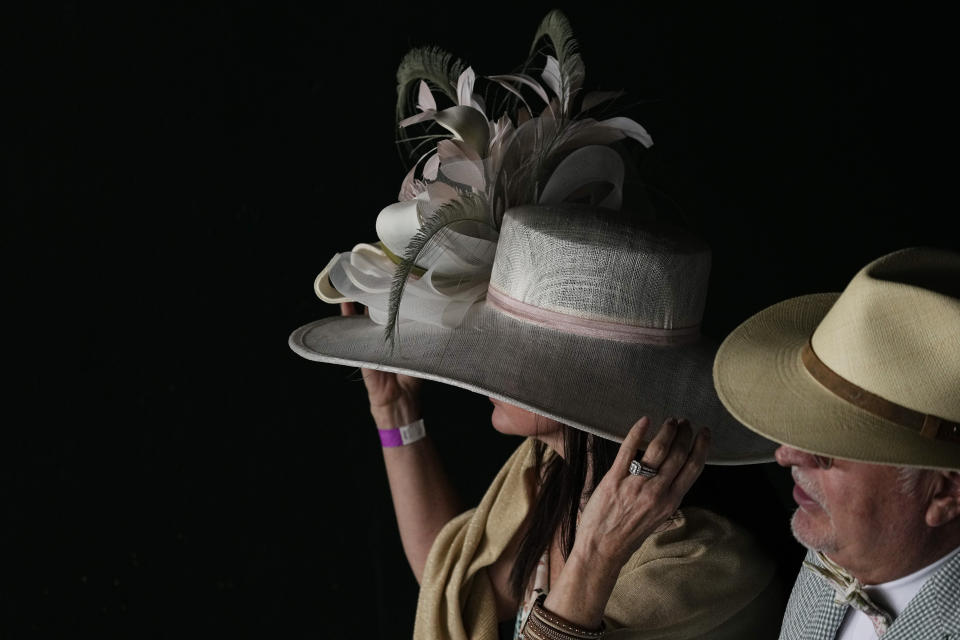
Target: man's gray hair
<point>909,480</point>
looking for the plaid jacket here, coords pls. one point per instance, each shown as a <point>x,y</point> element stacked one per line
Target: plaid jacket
<point>933,614</point>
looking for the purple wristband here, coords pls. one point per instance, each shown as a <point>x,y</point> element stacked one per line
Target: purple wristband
<point>390,437</point>
<point>407,434</point>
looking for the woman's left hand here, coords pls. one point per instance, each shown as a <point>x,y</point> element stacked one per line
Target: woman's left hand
<point>622,511</point>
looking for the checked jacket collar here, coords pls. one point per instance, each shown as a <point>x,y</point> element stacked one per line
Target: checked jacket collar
<point>933,614</point>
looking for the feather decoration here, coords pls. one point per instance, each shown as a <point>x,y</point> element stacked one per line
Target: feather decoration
<point>556,28</point>
<point>493,160</point>
<point>525,161</point>
<point>432,64</point>
<point>468,208</point>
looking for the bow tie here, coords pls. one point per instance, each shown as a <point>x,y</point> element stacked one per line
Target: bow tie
<point>850,592</point>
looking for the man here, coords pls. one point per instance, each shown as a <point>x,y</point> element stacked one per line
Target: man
<point>862,389</point>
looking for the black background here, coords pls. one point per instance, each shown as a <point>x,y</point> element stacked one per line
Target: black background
<point>177,174</point>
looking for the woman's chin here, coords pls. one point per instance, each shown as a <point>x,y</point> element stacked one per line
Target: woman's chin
<point>514,421</point>
<point>502,422</point>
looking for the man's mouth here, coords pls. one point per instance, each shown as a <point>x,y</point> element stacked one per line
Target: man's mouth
<point>803,499</point>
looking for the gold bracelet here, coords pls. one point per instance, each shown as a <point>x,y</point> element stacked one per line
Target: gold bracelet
<point>543,624</point>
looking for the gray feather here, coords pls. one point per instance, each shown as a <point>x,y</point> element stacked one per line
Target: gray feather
<point>469,208</point>
<point>432,64</point>
<point>556,28</point>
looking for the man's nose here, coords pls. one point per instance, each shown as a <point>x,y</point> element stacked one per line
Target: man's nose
<point>790,457</point>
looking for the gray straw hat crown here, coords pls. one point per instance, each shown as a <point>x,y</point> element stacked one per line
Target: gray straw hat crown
<point>591,318</point>
<point>593,264</point>
<point>869,374</point>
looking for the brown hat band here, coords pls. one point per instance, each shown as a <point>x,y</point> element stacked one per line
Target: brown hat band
<point>929,426</point>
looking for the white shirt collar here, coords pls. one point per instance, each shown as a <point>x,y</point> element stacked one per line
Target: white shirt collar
<point>894,596</point>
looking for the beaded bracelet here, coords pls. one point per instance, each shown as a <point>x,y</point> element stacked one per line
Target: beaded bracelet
<point>543,624</point>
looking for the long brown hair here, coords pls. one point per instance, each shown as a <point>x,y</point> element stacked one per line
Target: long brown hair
<point>564,484</point>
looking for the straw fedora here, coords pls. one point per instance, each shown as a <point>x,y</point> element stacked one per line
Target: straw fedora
<point>871,374</point>
<point>591,319</point>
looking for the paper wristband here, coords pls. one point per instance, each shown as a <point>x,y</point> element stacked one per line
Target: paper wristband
<point>404,435</point>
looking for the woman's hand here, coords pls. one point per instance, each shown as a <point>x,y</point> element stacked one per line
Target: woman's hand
<point>622,511</point>
<point>394,398</point>
<point>423,498</point>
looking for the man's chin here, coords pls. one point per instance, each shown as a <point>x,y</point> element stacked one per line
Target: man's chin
<point>809,534</point>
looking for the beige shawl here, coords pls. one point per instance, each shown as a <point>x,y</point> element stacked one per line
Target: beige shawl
<point>702,578</point>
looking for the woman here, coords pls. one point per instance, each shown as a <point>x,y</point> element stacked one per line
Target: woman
<point>567,353</point>
<point>576,320</point>
<point>577,572</point>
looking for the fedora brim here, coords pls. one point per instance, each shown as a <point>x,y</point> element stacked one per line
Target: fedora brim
<point>762,381</point>
<point>597,385</point>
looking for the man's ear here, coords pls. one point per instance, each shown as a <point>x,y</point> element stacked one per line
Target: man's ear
<point>944,506</point>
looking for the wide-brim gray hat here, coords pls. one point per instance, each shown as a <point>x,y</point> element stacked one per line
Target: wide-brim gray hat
<point>871,374</point>
<point>590,319</point>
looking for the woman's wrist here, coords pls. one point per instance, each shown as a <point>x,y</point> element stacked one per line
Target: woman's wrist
<point>599,555</point>
<point>543,624</point>
<point>582,589</point>
<point>408,434</point>
<point>394,415</point>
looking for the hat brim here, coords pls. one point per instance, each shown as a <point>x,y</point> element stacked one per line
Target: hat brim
<point>600,386</point>
<point>762,381</point>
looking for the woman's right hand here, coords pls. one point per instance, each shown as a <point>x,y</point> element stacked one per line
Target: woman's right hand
<point>394,398</point>
<point>423,498</point>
